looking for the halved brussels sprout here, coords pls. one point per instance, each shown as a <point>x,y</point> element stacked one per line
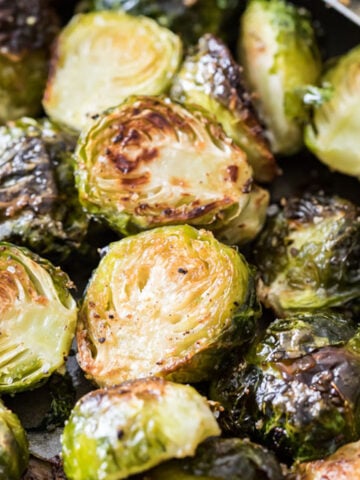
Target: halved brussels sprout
<point>210,77</point>
<point>103,57</point>
<point>298,389</point>
<point>344,464</point>
<point>27,29</point>
<point>39,205</point>
<point>37,318</point>
<point>189,19</point>
<point>168,302</point>
<point>14,448</point>
<point>221,459</point>
<point>278,51</point>
<point>152,162</point>
<point>127,429</point>
<point>333,134</point>
<point>308,254</point>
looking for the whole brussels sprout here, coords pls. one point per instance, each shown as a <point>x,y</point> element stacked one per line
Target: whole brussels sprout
<point>344,464</point>
<point>129,428</point>
<point>37,318</point>
<point>280,57</point>
<point>297,390</point>
<point>14,449</point>
<point>308,254</point>
<point>27,28</point>
<point>168,302</point>
<point>101,58</point>
<point>221,459</point>
<point>210,77</point>
<point>189,19</point>
<point>332,134</point>
<point>151,162</point>
<point>39,205</point>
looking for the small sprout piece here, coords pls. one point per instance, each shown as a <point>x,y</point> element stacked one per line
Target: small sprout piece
<point>39,205</point>
<point>168,302</point>
<point>37,318</point>
<point>308,255</point>
<point>333,134</point>
<point>152,162</point>
<point>280,57</point>
<point>344,464</point>
<point>211,78</point>
<point>117,432</point>
<point>27,29</point>
<point>103,57</point>
<point>189,19</point>
<point>14,449</point>
<point>221,459</point>
<point>297,390</point>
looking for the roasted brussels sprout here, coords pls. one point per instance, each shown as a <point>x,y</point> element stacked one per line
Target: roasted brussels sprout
<point>297,390</point>
<point>344,464</point>
<point>210,77</point>
<point>127,429</point>
<point>167,302</point>
<point>308,255</point>
<point>189,19</point>
<point>151,162</point>
<point>37,318</point>
<point>221,459</point>
<point>278,51</point>
<point>14,449</point>
<point>39,205</point>
<point>27,28</point>
<point>103,57</point>
<point>333,132</point>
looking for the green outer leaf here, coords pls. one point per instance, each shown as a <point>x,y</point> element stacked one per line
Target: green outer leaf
<point>127,429</point>
<point>39,203</point>
<point>221,459</point>
<point>14,449</point>
<point>308,255</point>
<point>332,135</point>
<point>278,59</point>
<point>210,77</point>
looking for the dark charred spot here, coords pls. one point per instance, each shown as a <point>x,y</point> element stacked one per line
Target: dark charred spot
<point>95,116</point>
<point>136,111</point>
<point>121,162</point>
<point>158,120</point>
<point>101,339</point>
<point>233,171</point>
<point>184,271</point>
<point>247,186</point>
<point>120,433</point>
<point>149,154</point>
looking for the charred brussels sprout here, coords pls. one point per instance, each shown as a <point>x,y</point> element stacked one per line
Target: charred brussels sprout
<point>37,318</point>
<point>210,77</point>
<point>333,133</point>
<point>298,389</point>
<point>39,205</point>
<point>221,459</point>
<point>151,162</point>
<point>280,57</point>
<point>27,29</point>
<point>344,464</point>
<point>103,57</point>
<point>120,431</point>
<point>14,450</point>
<point>189,19</point>
<point>308,255</point>
<point>167,302</point>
